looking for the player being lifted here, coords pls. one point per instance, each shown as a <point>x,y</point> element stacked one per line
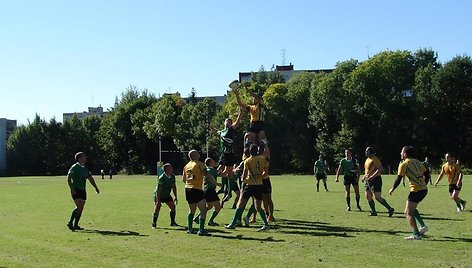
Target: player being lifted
<point>256,128</point>
<point>227,158</point>
<point>454,173</point>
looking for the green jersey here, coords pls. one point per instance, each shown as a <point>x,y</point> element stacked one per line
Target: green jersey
<point>79,175</point>
<point>320,167</point>
<point>349,167</point>
<point>227,139</point>
<point>214,173</point>
<point>166,183</point>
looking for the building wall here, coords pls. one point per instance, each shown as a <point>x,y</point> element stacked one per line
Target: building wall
<point>6,128</point>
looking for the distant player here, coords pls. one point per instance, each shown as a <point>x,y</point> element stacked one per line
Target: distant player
<point>351,170</point>
<point>77,178</point>
<point>320,170</point>
<point>417,174</point>
<point>454,177</point>
<point>427,164</point>
<point>165,185</point>
<point>373,182</point>
<point>255,167</point>
<point>193,174</point>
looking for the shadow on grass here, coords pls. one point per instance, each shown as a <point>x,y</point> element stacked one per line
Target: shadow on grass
<point>113,233</point>
<point>248,238</point>
<point>450,239</point>
<point>299,227</point>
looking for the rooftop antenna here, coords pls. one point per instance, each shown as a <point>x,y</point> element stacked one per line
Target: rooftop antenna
<point>283,56</point>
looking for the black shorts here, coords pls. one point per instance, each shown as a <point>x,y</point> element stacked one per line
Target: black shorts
<point>79,194</point>
<point>348,180</point>
<point>234,186</point>
<point>210,195</point>
<point>253,191</point>
<point>320,176</point>
<point>256,127</point>
<point>417,197</point>
<point>375,185</point>
<point>267,186</point>
<point>166,199</point>
<point>453,187</point>
<point>194,195</point>
<point>227,159</point>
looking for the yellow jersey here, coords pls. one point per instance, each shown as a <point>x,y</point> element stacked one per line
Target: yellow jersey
<point>256,112</point>
<point>414,170</point>
<point>452,171</point>
<point>194,171</point>
<point>371,164</point>
<point>255,166</point>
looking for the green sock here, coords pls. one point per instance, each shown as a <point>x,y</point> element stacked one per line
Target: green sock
<point>385,204</point>
<point>348,201</point>
<point>154,217</point>
<point>237,215</point>
<point>372,206</point>
<point>190,221</point>
<point>418,218</point>
<point>416,232</point>
<point>202,224</point>
<point>458,203</point>
<point>264,217</point>
<point>357,201</point>
<point>250,211</point>
<point>213,215</point>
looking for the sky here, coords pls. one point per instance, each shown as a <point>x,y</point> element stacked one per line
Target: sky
<point>65,56</point>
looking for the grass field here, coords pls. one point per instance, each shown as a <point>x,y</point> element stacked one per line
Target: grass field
<point>312,229</point>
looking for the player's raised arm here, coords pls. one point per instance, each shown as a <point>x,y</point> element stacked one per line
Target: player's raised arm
<point>238,119</point>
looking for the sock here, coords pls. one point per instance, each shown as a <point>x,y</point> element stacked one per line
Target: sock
<point>385,204</point>
<point>202,224</point>
<point>250,211</point>
<point>318,186</point>
<point>348,201</point>
<point>416,232</point>
<point>154,217</point>
<point>237,215</point>
<point>358,198</point>
<point>264,217</point>
<point>458,203</point>
<point>190,221</point>
<point>372,206</point>
<point>77,218</point>
<point>73,215</point>
<point>213,215</point>
<point>418,218</point>
<point>325,186</point>
<point>172,216</point>
<point>224,183</point>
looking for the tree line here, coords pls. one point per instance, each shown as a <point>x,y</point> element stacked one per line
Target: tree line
<point>394,98</point>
